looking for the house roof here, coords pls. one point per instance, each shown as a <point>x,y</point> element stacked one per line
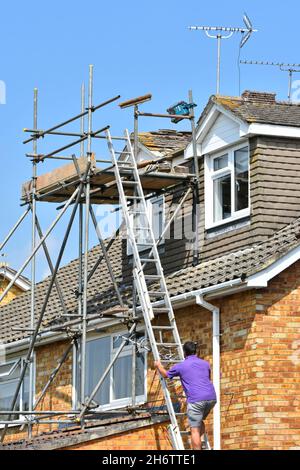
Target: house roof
<point>165,141</point>
<point>238,265</point>
<point>257,107</point>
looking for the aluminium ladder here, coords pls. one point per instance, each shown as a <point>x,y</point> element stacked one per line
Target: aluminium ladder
<point>128,181</point>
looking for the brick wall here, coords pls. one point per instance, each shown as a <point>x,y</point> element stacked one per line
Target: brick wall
<point>260,362</point>
<point>14,291</point>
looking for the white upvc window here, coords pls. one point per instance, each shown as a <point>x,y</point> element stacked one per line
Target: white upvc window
<point>156,213</point>
<point>10,372</point>
<point>116,390</point>
<point>227,186</point>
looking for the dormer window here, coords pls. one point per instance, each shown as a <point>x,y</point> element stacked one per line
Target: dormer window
<point>227,186</point>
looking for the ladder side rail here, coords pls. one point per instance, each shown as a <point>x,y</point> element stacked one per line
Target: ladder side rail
<point>174,423</point>
<point>139,278</point>
<point>156,254</point>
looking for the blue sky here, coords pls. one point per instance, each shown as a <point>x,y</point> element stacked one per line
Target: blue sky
<point>136,47</point>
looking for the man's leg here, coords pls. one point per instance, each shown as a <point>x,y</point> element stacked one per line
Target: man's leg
<point>196,438</point>
<point>202,431</point>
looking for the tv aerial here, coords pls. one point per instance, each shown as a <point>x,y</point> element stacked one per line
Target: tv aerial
<point>225,32</point>
<point>289,68</point>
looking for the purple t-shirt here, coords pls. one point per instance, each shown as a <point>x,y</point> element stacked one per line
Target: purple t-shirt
<point>194,374</point>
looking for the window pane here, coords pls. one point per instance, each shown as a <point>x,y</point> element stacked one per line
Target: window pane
<point>221,162</point>
<point>97,359</point>
<point>155,210</point>
<point>117,341</point>
<point>158,217</point>
<point>8,386</point>
<point>25,406</point>
<point>222,198</point>
<point>122,378</point>
<point>140,375</point>
<point>241,163</point>
<point>140,220</point>
<point>6,368</point>
<point>7,391</point>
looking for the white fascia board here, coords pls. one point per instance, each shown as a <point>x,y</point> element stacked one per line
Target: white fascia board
<point>262,278</point>
<point>22,284</point>
<point>201,132</point>
<point>272,130</point>
<point>53,337</point>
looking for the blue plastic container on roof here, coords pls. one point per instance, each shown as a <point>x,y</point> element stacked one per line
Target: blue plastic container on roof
<point>181,108</point>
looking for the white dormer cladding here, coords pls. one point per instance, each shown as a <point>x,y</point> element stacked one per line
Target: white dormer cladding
<point>217,131</point>
<point>224,132</point>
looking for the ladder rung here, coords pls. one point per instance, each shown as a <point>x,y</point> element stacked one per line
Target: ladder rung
<point>171,361</point>
<point>163,328</point>
<point>161,310</point>
<point>118,138</point>
<point>144,244</point>
<point>185,433</point>
<point>141,228</point>
<point>168,345</point>
<point>149,260</point>
<point>129,183</point>
<point>156,294</point>
<point>133,197</point>
<point>119,152</point>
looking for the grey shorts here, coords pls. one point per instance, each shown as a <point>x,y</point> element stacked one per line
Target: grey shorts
<point>198,412</point>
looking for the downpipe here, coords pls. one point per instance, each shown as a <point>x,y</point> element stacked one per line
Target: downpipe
<point>216,367</point>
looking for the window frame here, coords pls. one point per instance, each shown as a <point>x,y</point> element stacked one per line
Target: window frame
<point>16,362</point>
<point>150,205</point>
<point>211,175</point>
<point>113,404</point>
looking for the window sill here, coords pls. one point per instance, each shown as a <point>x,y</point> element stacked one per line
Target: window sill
<point>229,227</point>
<point>14,425</point>
<point>239,216</point>
<point>119,404</point>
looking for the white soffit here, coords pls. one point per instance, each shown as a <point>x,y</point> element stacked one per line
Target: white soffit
<point>262,278</point>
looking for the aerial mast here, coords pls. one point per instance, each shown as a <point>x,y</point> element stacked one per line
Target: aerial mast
<point>226,32</point>
<point>290,68</point>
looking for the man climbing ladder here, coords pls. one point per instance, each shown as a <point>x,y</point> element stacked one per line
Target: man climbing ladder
<point>194,374</point>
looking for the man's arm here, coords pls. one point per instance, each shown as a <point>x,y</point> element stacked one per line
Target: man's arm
<point>161,369</point>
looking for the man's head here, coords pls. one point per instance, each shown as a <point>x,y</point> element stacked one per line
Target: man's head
<point>189,348</point>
